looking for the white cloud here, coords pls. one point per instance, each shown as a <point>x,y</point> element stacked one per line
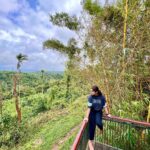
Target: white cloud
<point>7,6</point>
<point>69,6</point>
<point>73,7</point>
<point>6,36</point>
<point>47,60</point>
<point>15,35</point>
<point>20,33</point>
<point>29,28</point>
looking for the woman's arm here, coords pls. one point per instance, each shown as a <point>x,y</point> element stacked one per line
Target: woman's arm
<point>106,111</point>
<point>87,114</point>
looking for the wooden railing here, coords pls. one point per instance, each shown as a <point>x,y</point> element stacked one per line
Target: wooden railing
<point>81,138</point>
<point>121,133</point>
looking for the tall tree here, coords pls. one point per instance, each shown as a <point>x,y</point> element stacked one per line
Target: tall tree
<point>16,81</point>
<point>71,49</point>
<point>117,39</point>
<point>15,93</point>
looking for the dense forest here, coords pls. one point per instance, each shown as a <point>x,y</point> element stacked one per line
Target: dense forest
<point>111,50</point>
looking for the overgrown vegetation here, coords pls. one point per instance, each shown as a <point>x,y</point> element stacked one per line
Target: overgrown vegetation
<point>114,54</point>
<point>112,51</point>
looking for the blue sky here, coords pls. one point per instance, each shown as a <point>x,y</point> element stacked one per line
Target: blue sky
<point>24,25</point>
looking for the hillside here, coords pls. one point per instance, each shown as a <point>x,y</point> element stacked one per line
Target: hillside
<point>43,114</point>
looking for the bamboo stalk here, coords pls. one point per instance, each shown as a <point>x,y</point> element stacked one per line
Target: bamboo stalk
<point>148,116</point>
<point>125,25</point>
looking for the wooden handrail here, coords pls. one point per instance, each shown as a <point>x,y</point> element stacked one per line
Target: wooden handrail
<point>126,120</point>
<point>113,118</point>
<point>79,135</point>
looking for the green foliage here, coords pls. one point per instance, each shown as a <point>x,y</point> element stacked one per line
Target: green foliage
<point>147,3</point>
<point>36,127</point>
<point>71,49</point>
<point>92,7</point>
<point>11,133</point>
<point>54,44</point>
<point>30,82</point>
<point>20,57</point>
<point>112,16</point>
<point>40,107</point>
<point>64,20</point>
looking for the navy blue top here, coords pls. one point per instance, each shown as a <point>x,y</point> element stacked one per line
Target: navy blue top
<point>96,103</point>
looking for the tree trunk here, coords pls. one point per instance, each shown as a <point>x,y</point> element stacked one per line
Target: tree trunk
<point>18,109</point>
<point>68,87</point>
<point>1,100</point>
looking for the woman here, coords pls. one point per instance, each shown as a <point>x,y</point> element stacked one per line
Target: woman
<point>96,103</point>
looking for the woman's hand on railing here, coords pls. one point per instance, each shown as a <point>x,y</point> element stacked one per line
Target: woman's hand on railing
<point>108,115</point>
<point>86,119</point>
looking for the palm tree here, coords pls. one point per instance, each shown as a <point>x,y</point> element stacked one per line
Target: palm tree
<point>20,57</point>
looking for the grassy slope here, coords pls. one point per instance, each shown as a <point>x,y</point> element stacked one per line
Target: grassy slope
<point>67,144</point>
<point>54,127</point>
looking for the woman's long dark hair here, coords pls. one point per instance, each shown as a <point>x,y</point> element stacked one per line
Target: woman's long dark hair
<point>95,88</point>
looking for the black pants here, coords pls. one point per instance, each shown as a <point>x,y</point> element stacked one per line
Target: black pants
<point>95,118</point>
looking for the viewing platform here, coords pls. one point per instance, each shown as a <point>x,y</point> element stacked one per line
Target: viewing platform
<point>118,134</point>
